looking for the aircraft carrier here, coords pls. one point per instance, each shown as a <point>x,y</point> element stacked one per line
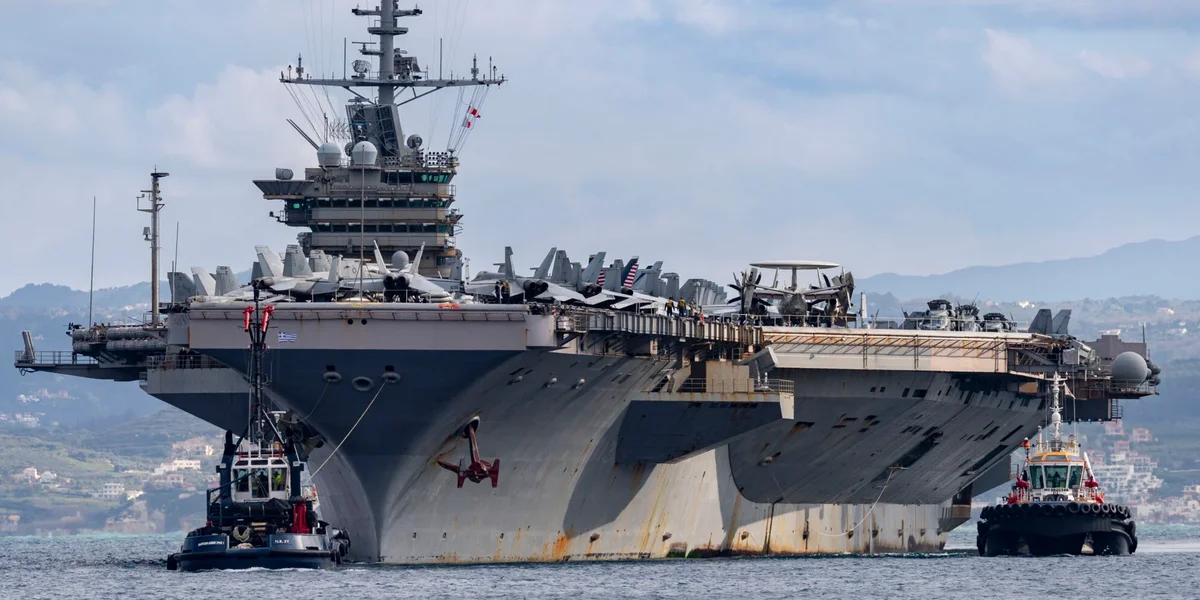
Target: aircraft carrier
<point>551,429</point>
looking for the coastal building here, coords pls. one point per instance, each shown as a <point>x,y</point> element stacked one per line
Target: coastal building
<point>110,491</point>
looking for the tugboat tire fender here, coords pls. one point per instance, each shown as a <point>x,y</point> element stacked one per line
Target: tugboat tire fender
<point>1060,510</point>
<point>1106,509</point>
<point>1073,508</point>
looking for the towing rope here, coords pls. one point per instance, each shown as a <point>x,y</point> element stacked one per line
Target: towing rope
<point>891,471</point>
<point>352,427</point>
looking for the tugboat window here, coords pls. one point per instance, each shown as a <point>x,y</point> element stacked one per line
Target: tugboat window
<point>1056,477</point>
<point>1035,478</point>
<point>242,482</point>
<point>1076,477</point>
<point>259,484</point>
<point>278,480</point>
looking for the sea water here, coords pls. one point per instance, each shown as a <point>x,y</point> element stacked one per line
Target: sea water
<point>1167,565</point>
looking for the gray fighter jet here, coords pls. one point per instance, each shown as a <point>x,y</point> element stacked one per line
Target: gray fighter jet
<point>530,288</point>
<point>400,281</point>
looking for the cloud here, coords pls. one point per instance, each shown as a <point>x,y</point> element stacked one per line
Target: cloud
<point>1022,71</point>
<point>703,134</point>
<point>1113,67</point>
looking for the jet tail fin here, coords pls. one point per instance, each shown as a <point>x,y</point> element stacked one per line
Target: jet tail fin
<point>295,264</point>
<point>628,277</point>
<point>543,270</point>
<point>379,257</point>
<point>508,266</point>
<point>1061,320</point>
<point>1041,322</point>
<point>415,263</point>
<point>225,281</point>
<point>335,270</point>
<point>182,287</point>
<point>591,273</point>
<point>204,282</point>
<point>269,262</point>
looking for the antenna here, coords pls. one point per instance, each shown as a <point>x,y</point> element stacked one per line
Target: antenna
<point>175,260</point>
<point>156,205</point>
<point>92,276</point>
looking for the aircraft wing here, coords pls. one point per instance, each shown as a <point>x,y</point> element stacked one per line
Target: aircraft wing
<point>429,288</point>
<point>284,285</point>
<point>484,287</point>
<point>561,294</point>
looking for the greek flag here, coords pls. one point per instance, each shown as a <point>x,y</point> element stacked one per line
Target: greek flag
<point>285,337</point>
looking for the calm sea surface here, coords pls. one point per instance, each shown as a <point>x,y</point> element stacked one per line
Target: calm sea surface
<point>1167,565</point>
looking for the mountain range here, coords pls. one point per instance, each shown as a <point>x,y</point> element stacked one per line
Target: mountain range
<point>1153,267</point>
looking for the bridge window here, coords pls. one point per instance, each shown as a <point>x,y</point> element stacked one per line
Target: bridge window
<point>1035,478</point>
<point>429,228</point>
<point>278,480</point>
<point>339,228</point>
<point>354,227</point>
<point>1056,476</point>
<point>1076,477</point>
<point>259,484</point>
<point>241,482</point>
<point>339,203</point>
<point>369,228</point>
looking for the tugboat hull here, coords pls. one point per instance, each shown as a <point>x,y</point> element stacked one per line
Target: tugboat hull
<point>1047,528</point>
<point>282,551</point>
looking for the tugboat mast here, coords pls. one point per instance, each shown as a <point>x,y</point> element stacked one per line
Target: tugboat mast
<point>256,319</point>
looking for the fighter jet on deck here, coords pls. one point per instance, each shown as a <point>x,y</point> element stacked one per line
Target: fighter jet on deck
<point>531,288</point>
<point>400,281</point>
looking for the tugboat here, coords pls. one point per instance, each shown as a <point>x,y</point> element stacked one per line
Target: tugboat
<point>1056,505</point>
<point>259,515</point>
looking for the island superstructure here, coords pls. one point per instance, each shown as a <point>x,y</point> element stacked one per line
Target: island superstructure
<point>582,421</point>
<point>395,192</point>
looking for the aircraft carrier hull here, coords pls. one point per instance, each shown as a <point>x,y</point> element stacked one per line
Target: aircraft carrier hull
<point>555,421</point>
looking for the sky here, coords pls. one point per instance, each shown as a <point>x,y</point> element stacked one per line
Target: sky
<point>909,136</point>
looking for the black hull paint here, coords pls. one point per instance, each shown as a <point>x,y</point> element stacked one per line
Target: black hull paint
<point>1048,528</point>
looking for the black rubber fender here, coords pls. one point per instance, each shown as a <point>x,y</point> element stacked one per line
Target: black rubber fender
<point>1060,510</point>
<point>1047,510</point>
<point>1073,508</point>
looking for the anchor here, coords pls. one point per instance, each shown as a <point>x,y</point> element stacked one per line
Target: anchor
<point>478,469</point>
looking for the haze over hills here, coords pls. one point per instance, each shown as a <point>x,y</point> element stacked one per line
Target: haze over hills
<point>1154,267</point>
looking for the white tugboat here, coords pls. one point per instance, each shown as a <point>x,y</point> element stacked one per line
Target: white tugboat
<point>1056,505</point>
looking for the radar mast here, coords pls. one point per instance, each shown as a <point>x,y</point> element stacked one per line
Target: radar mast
<point>373,184</point>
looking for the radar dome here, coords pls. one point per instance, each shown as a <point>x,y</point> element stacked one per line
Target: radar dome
<point>399,260</point>
<point>364,153</point>
<point>1129,368</point>
<point>329,155</point>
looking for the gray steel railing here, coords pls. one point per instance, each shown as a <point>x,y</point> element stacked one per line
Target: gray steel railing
<point>183,362</point>
<point>51,358</point>
<point>733,386</point>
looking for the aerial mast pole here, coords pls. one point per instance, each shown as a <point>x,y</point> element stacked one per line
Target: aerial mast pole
<point>387,45</point>
<point>155,206</point>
